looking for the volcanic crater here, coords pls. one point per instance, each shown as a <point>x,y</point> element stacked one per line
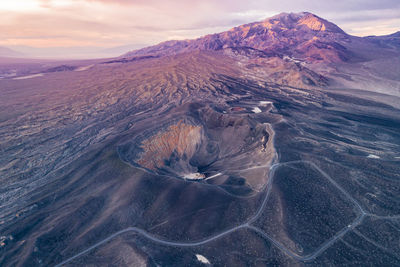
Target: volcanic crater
<point>203,145</point>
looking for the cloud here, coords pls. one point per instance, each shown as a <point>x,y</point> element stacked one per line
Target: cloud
<point>109,23</point>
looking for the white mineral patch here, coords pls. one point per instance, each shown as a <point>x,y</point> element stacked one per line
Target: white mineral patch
<point>213,176</point>
<point>372,156</point>
<point>28,76</point>
<point>293,60</point>
<point>194,176</point>
<point>202,259</point>
<point>141,112</point>
<point>84,68</point>
<point>264,103</point>
<point>256,110</point>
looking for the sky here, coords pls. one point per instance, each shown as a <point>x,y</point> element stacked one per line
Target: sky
<point>98,27</point>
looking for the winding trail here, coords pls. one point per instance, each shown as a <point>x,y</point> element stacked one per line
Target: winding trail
<point>152,238</point>
<point>247,224</point>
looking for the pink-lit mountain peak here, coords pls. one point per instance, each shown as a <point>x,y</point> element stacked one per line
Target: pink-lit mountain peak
<point>303,35</point>
<point>303,20</point>
<point>286,27</point>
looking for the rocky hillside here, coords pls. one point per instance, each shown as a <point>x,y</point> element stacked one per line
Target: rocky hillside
<point>300,50</point>
<point>302,35</point>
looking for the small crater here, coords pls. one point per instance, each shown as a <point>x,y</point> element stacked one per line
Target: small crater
<point>191,147</point>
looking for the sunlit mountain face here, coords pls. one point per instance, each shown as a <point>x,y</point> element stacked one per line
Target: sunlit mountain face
<point>273,143</point>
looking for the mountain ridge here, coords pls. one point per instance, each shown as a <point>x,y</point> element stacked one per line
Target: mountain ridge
<point>283,34</point>
<point>300,50</point>
<point>8,52</point>
<point>300,35</point>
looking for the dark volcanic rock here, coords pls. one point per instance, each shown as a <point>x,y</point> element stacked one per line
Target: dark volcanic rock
<point>61,68</point>
<point>181,155</point>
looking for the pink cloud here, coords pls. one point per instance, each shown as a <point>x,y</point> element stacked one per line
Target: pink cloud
<point>111,23</point>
